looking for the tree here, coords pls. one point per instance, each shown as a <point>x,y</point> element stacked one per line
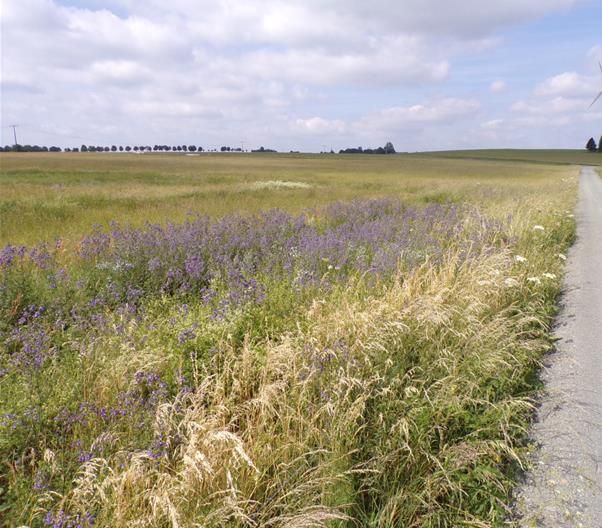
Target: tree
<point>83,148</point>
<point>128,148</point>
<point>120,148</point>
<point>389,148</point>
<point>600,145</point>
<point>591,145</point>
<point>191,148</point>
<point>113,148</point>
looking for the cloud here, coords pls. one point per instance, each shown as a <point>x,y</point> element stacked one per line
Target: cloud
<point>568,84</point>
<point>391,121</point>
<point>498,86</point>
<point>319,126</point>
<point>270,71</point>
<point>399,117</point>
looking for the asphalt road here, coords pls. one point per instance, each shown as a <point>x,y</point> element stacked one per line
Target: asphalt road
<point>564,489</point>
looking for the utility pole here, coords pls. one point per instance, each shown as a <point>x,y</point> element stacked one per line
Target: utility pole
<point>14,127</point>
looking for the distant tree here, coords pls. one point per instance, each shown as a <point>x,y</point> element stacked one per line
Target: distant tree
<point>113,148</point>
<point>600,145</point>
<point>200,149</point>
<point>120,148</point>
<point>74,149</point>
<point>128,148</point>
<point>263,149</point>
<point>191,148</point>
<point>591,145</point>
<point>135,148</point>
<point>55,149</point>
<point>389,148</point>
<point>83,148</point>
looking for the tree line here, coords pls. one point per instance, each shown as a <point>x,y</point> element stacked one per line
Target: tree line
<point>100,148</point>
<point>127,148</point>
<point>387,149</point>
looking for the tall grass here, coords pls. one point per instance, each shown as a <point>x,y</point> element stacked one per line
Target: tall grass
<point>64,195</point>
<point>365,396</point>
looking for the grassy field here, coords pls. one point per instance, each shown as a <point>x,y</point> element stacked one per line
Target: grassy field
<point>547,157</point>
<point>63,195</point>
<point>364,356</point>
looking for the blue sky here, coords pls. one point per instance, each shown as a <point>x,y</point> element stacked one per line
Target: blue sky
<point>302,74</point>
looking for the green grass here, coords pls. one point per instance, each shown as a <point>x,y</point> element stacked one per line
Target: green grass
<point>399,402</point>
<point>547,157</point>
<point>63,195</point>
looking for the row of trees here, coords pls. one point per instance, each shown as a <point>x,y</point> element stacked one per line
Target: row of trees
<point>98,148</point>
<point>29,148</point>
<point>115,148</point>
<point>387,149</point>
<point>591,145</point>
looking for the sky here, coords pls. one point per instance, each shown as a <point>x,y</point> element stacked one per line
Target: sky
<point>305,75</point>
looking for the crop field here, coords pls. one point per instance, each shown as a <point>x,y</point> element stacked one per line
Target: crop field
<point>272,340</point>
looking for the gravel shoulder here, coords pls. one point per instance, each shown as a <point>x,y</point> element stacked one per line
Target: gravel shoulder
<point>564,487</point>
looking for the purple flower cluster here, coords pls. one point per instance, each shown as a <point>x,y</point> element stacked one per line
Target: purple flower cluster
<point>232,259</point>
<point>39,255</point>
<point>235,255</point>
<point>61,519</point>
<point>149,389</point>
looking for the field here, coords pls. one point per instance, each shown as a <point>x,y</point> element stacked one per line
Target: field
<point>62,196</point>
<point>275,340</point>
<point>547,157</point>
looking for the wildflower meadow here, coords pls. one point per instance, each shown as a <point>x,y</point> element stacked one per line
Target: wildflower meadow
<point>365,357</point>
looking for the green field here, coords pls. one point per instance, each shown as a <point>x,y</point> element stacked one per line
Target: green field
<point>364,356</point>
<point>46,196</point>
<point>547,157</point>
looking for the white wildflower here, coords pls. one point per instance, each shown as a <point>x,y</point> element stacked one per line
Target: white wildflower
<point>510,282</point>
<point>330,266</point>
<point>561,256</point>
<point>539,228</point>
<point>549,275</point>
<point>535,280</point>
<point>520,258</point>
<point>484,282</point>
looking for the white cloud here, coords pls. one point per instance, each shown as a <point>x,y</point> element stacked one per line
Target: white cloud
<point>320,126</point>
<point>498,86</point>
<point>399,117</point>
<point>568,84</point>
<point>275,70</point>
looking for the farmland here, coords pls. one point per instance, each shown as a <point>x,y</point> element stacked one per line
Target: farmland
<point>274,340</point>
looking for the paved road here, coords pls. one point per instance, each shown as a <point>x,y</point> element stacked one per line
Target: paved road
<point>565,487</point>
